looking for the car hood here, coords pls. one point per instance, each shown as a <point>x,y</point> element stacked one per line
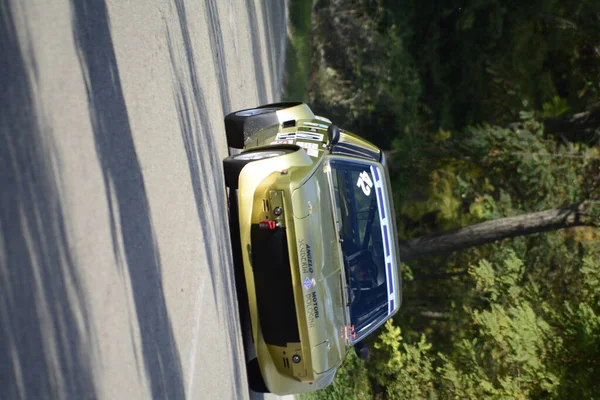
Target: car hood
<point>320,268</point>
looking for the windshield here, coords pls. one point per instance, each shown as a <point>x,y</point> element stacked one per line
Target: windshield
<point>358,203</point>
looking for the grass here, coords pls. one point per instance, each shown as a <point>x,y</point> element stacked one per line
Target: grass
<point>298,52</point>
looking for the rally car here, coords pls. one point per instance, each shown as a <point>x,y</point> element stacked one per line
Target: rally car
<point>317,238</point>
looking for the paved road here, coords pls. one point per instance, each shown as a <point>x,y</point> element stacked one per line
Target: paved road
<point>116,280</point>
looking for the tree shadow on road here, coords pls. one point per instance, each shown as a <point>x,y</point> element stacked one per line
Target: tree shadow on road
<point>276,36</point>
<point>257,49</point>
<point>205,169</point>
<point>204,164</point>
<point>273,16</point>
<point>45,349</point>
<point>130,219</point>
<point>215,37</point>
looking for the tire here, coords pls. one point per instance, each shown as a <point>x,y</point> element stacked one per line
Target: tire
<point>232,165</point>
<point>243,124</point>
<point>255,379</point>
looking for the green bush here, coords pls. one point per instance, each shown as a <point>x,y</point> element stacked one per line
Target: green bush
<point>351,383</point>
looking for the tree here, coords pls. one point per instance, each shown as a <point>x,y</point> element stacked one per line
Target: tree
<point>489,183</point>
<point>470,189</point>
<point>499,319</point>
<point>478,60</point>
<point>580,127</point>
<point>583,214</point>
<point>521,346</point>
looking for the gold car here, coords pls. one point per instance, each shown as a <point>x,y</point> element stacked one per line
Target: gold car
<point>317,238</point>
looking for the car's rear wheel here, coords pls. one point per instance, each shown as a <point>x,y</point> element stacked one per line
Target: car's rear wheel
<point>255,379</point>
<point>232,165</point>
<point>243,124</point>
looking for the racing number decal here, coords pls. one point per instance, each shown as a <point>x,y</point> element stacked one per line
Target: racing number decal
<point>365,183</point>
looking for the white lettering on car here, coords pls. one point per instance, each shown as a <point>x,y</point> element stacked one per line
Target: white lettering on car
<point>365,183</point>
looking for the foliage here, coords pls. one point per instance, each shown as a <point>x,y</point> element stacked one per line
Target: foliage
<point>578,356</point>
<point>393,66</point>
<point>506,356</point>
<point>351,383</point>
<point>404,370</point>
<point>364,78</point>
<point>480,60</point>
<point>297,58</point>
<point>516,345</point>
<point>522,347</point>
<point>486,172</point>
<point>459,92</point>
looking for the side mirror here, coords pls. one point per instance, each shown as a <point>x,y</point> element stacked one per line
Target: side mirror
<point>333,135</point>
<point>362,351</point>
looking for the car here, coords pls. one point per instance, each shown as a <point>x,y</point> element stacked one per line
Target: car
<point>317,242</point>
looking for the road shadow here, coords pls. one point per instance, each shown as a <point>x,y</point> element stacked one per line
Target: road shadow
<point>204,163</point>
<point>45,344</point>
<point>276,35</point>
<point>215,38</point>
<point>129,213</point>
<point>257,50</point>
<point>206,172</point>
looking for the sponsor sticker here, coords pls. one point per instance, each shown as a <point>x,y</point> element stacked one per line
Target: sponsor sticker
<point>347,332</point>
<point>305,255</point>
<point>323,119</point>
<point>321,126</point>
<point>309,136</point>
<point>308,283</point>
<point>311,148</point>
<point>312,308</point>
<point>286,136</point>
<point>308,145</point>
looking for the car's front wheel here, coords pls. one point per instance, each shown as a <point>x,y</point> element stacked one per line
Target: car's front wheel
<point>232,166</point>
<point>241,125</point>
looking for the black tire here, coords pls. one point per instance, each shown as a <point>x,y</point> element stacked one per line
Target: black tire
<point>241,125</point>
<point>255,379</point>
<point>232,165</point>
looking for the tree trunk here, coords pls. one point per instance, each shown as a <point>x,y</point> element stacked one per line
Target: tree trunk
<point>580,127</point>
<point>439,277</point>
<point>583,214</point>
<point>435,315</point>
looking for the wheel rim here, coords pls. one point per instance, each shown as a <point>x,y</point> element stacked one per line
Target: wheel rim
<point>258,155</point>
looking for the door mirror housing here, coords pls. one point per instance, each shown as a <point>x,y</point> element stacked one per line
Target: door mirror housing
<point>333,135</point>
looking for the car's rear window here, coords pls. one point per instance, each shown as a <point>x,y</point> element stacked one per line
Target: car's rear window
<point>360,208</point>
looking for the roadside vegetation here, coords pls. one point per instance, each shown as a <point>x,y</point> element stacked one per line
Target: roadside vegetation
<point>489,110</point>
<point>298,52</point>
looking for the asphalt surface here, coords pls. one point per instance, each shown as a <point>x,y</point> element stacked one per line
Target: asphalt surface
<point>116,276</point>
